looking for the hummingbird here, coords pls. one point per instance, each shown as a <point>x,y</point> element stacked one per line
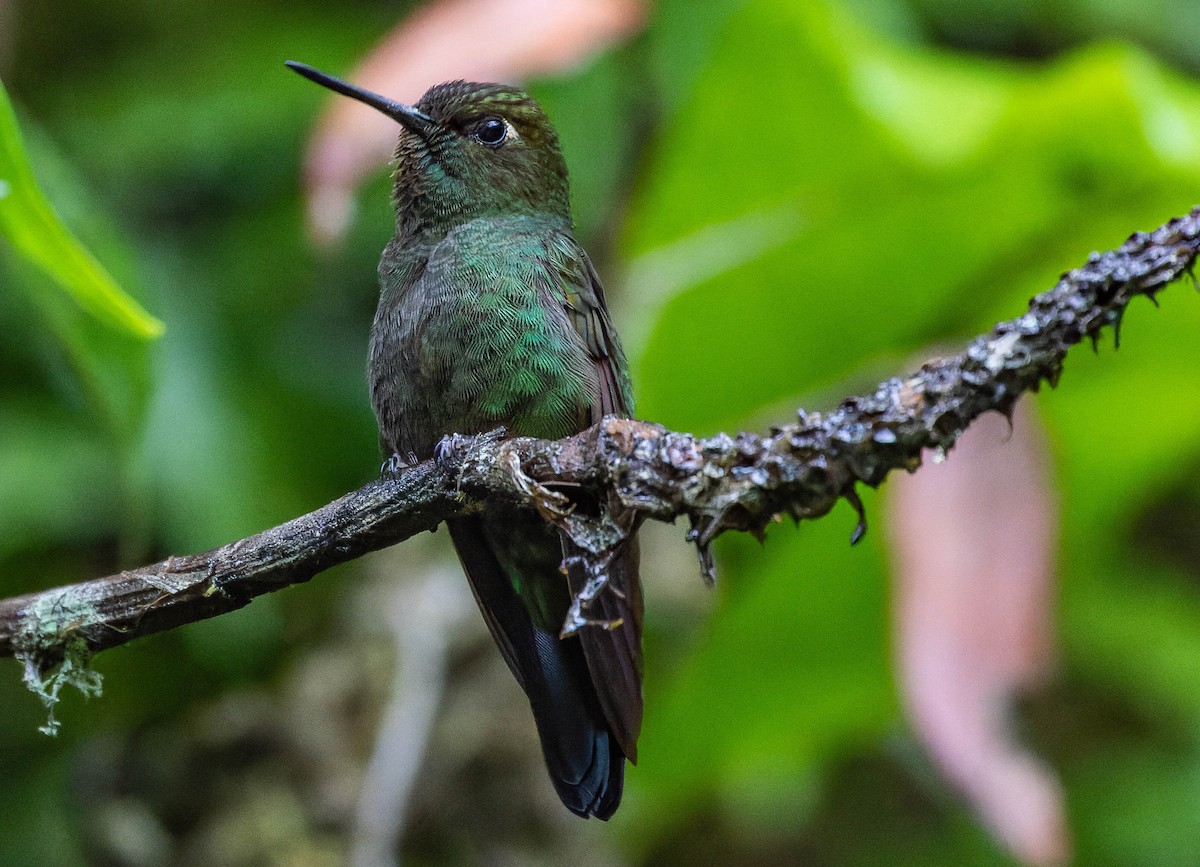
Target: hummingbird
<point>491,315</point>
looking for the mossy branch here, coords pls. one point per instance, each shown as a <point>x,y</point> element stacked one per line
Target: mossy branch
<point>590,484</point>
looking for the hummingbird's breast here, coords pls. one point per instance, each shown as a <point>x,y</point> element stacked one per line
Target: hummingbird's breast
<point>474,334</point>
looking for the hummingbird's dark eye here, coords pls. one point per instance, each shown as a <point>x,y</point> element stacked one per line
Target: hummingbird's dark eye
<point>490,131</point>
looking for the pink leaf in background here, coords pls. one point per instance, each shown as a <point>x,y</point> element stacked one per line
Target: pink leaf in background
<point>974,541</point>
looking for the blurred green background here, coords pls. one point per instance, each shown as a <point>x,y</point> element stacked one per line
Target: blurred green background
<point>789,200</point>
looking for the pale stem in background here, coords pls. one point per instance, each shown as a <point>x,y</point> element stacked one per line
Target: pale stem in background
<point>422,612</point>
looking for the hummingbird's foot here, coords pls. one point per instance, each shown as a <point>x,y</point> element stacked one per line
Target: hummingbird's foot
<point>551,505</point>
<point>576,619</point>
<point>451,443</point>
<point>397,462</point>
<point>445,448</point>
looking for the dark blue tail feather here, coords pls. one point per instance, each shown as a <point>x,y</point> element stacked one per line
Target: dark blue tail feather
<point>585,762</point>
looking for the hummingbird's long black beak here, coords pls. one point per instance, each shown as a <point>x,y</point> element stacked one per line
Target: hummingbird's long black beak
<point>405,115</point>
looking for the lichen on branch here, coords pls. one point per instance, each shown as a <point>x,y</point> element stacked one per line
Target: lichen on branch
<point>54,652</point>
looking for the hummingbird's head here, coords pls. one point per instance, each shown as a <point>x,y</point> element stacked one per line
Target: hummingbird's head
<point>468,150</point>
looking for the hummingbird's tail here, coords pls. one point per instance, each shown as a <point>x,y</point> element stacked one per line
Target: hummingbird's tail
<point>584,759</point>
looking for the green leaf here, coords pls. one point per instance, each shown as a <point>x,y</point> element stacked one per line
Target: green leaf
<point>29,223</point>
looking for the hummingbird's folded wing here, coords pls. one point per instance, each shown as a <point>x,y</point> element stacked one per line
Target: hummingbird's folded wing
<point>614,650</point>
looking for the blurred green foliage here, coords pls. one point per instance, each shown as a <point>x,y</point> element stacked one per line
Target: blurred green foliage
<point>29,225</point>
<point>821,192</point>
